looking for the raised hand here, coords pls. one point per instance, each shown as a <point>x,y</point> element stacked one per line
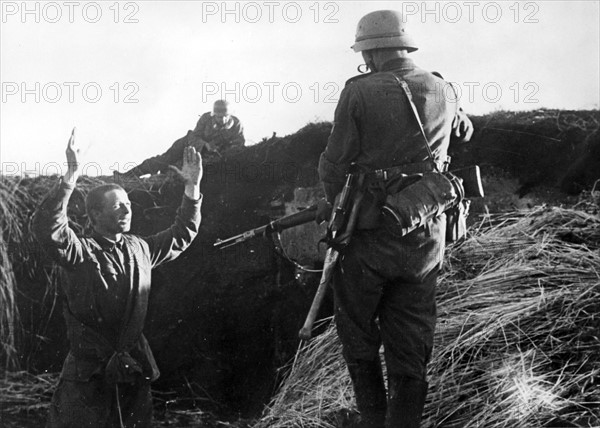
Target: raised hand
<point>190,172</point>
<point>73,159</point>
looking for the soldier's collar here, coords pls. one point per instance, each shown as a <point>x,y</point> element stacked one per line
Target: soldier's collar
<point>396,63</point>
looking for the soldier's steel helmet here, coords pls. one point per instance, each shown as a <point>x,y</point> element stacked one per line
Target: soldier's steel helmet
<point>382,29</point>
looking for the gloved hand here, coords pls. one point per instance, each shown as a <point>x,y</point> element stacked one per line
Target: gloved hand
<point>324,210</point>
<point>462,128</point>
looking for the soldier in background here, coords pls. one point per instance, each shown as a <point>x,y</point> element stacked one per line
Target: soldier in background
<point>216,132</point>
<point>219,130</point>
<point>384,284</point>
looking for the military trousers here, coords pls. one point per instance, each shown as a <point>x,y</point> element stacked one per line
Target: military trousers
<point>384,293</point>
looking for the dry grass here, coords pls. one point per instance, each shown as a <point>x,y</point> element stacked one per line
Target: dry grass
<point>517,342</point>
<point>19,253</point>
<point>316,387</point>
<point>22,392</point>
<point>11,207</point>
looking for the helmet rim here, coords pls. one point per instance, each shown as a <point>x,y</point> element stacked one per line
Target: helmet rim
<point>378,42</point>
<point>382,29</point>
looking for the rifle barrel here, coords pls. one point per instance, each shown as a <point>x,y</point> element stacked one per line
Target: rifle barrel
<point>292,220</point>
<point>224,243</point>
<point>296,219</point>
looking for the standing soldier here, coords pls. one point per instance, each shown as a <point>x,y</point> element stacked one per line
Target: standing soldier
<point>105,379</point>
<point>384,284</point>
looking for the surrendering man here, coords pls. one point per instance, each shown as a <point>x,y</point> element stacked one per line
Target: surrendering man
<point>384,283</point>
<point>105,380</point>
<point>215,133</point>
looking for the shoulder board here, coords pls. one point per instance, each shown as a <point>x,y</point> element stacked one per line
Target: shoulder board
<point>357,77</point>
<point>437,74</point>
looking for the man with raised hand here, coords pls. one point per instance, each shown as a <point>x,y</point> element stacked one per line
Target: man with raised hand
<point>105,380</point>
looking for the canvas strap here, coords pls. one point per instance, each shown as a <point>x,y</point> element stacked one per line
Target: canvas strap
<point>409,96</point>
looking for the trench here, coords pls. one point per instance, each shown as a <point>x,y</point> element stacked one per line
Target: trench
<point>223,323</point>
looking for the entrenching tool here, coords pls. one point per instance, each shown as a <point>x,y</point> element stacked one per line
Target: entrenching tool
<point>341,225</point>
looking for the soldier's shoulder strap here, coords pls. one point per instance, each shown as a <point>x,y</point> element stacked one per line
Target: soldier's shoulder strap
<point>358,77</point>
<point>438,74</point>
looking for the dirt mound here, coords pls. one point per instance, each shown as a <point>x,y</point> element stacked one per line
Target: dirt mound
<point>555,148</point>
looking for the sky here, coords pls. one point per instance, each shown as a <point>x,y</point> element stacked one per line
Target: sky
<point>134,76</point>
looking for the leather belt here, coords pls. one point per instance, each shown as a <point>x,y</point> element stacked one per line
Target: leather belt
<point>385,174</point>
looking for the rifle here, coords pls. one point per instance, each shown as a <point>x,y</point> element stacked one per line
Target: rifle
<point>304,216</point>
<point>471,181</point>
<point>341,225</point>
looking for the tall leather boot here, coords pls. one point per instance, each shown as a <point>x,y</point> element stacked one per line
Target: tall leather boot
<point>369,390</point>
<point>405,402</point>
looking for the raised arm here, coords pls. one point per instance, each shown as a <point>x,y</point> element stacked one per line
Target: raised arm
<point>50,221</point>
<point>168,244</point>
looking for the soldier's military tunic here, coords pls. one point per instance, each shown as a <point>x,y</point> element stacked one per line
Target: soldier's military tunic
<point>380,274</point>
